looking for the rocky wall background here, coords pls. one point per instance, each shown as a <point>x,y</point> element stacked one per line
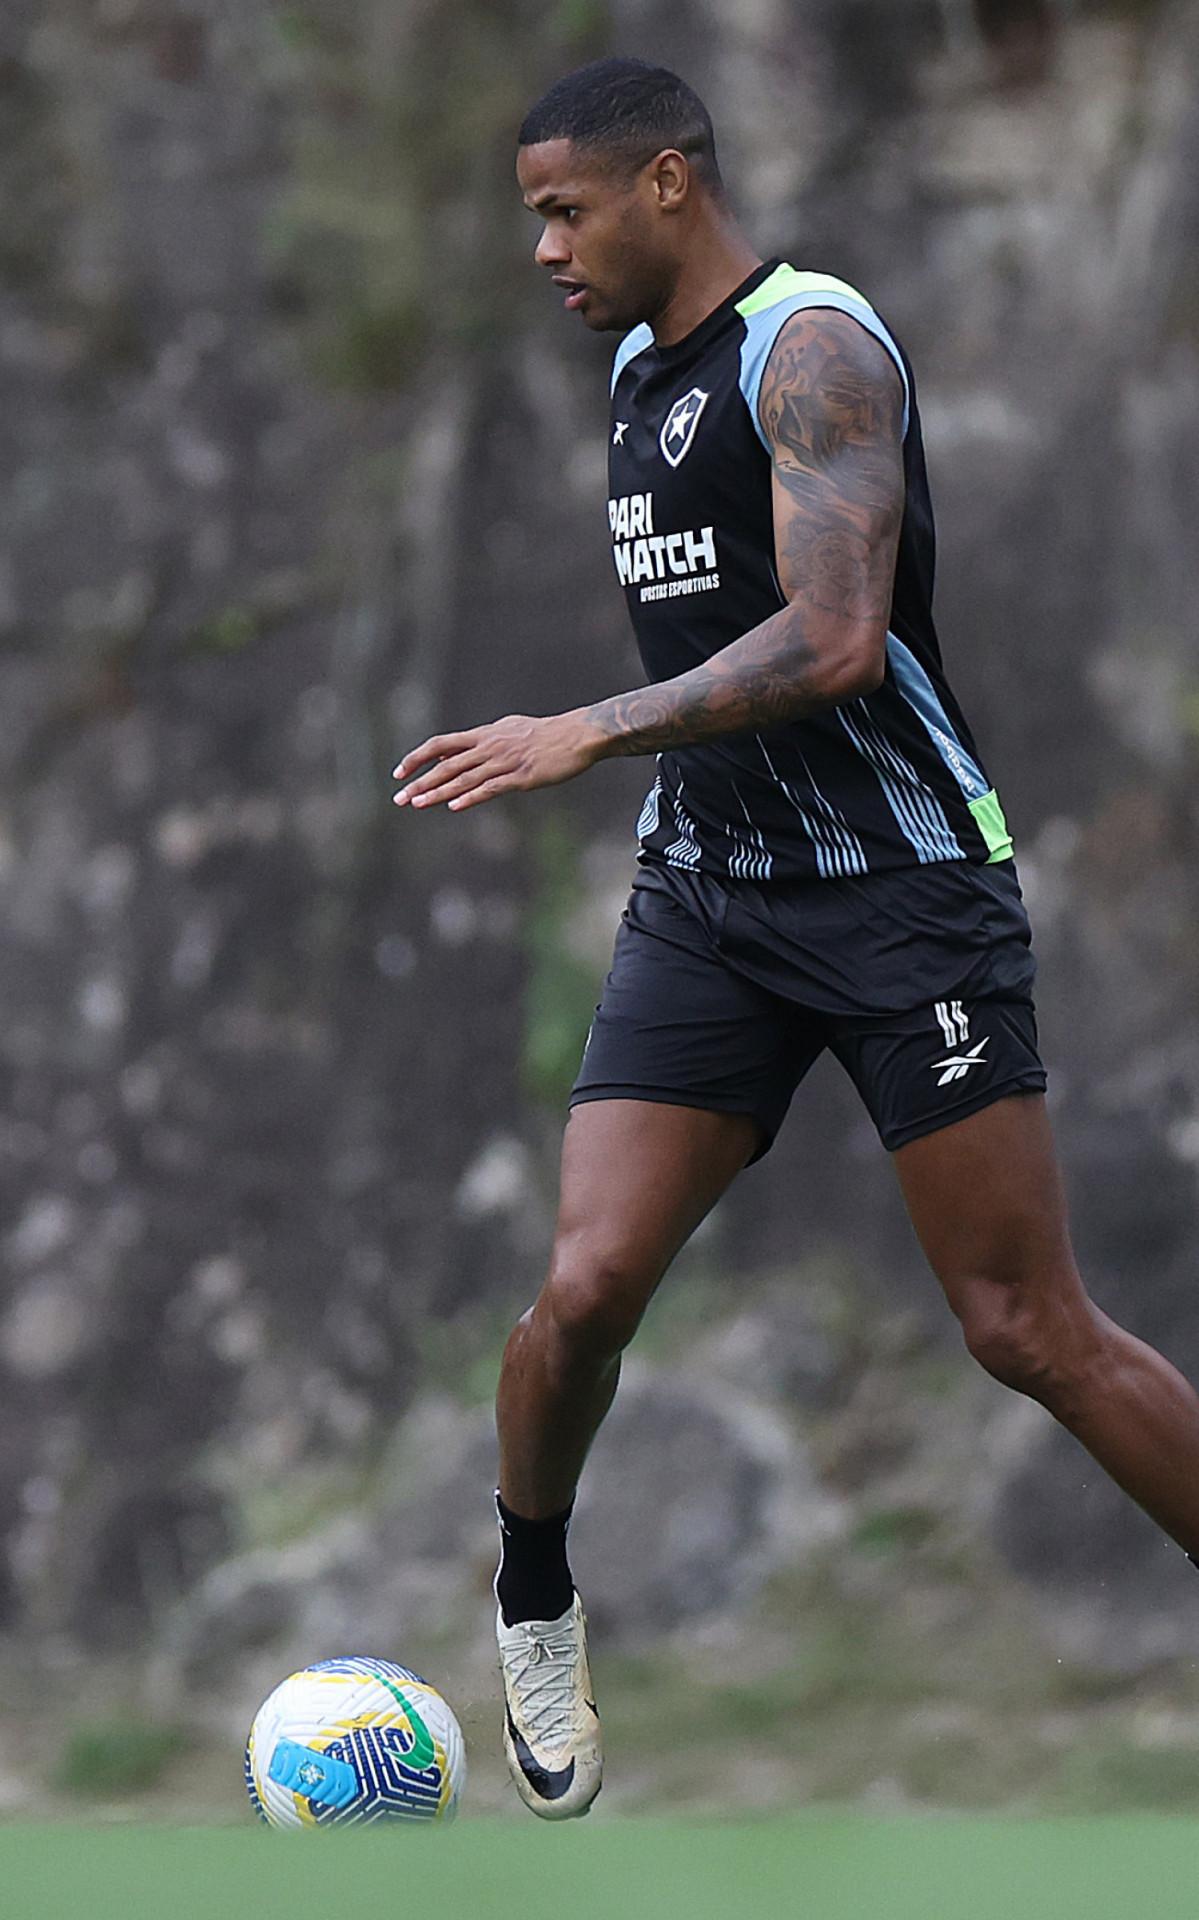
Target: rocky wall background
<point>299,460</point>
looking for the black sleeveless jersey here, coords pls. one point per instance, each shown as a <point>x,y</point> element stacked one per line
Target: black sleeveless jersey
<point>885,781</point>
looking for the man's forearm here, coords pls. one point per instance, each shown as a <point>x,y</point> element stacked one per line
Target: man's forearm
<point>772,675</point>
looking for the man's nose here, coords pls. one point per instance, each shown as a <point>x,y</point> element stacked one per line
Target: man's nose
<point>552,250</point>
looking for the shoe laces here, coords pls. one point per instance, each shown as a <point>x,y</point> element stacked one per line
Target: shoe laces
<point>542,1671</point>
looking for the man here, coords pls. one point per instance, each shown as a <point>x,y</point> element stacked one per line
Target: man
<point>823,861</point>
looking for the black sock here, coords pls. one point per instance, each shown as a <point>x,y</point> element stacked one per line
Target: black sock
<point>534,1581</point>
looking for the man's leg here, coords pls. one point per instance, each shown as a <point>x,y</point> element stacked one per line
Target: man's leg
<point>637,1179</point>
<point>986,1201</point>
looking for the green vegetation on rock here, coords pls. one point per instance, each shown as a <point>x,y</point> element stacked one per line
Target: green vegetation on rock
<point>111,1758</point>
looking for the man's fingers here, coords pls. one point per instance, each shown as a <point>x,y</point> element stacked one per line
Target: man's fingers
<point>438,776</point>
<point>486,791</point>
<point>436,748</point>
<point>468,780</point>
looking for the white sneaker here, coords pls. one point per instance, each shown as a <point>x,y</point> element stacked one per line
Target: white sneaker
<point>551,1724</point>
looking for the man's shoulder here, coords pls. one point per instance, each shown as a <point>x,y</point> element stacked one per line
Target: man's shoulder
<point>788,283</point>
<point>784,295</point>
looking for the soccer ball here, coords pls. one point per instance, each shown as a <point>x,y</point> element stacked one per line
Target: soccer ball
<point>352,1742</point>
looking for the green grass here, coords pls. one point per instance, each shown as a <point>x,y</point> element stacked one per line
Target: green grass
<point>840,1868</point>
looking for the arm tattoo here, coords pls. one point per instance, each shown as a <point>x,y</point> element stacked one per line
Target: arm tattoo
<point>831,406</point>
<point>832,409</point>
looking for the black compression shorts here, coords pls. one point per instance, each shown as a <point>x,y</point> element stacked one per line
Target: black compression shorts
<point>722,994</point>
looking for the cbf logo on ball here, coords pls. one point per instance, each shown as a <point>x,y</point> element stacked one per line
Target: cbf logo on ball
<point>678,428</point>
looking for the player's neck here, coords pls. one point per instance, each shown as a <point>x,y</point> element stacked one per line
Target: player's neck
<point>716,264</point>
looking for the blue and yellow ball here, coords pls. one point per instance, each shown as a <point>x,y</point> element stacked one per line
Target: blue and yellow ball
<point>353,1742</point>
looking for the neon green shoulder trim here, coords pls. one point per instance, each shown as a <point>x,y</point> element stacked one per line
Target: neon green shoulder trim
<point>785,281</point>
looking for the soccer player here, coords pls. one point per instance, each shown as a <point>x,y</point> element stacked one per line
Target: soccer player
<point>823,860</point>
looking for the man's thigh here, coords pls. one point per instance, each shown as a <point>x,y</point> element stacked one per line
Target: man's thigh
<point>638,1177</point>
<point>985,1197</point>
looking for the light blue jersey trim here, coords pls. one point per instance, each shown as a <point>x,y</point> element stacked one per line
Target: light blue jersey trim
<point>921,695</point>
<point>632,344</point>
<point>648,821</point>
<point>762,330</point>
<point>837,849</point>
<point>918,813</point>
<point>751,858</point>
<point>686,850</point>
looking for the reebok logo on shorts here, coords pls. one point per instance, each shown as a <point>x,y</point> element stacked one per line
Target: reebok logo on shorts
<point>954,1023</point>
<point>959,1064</point>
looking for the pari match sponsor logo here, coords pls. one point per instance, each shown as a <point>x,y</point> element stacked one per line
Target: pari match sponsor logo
<point>664,565</point>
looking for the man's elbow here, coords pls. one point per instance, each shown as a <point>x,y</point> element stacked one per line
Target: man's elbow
<point>855,669</point>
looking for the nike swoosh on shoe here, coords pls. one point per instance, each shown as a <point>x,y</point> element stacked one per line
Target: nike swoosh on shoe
<point>551,1784</point>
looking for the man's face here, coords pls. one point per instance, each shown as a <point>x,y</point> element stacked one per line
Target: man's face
<point>602,241</point>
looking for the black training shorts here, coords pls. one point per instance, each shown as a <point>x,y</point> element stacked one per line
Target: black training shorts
<point>724,992</point>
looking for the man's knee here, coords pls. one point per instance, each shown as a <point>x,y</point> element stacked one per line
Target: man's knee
<point>1037,1341</point>
<point>596,1293</point>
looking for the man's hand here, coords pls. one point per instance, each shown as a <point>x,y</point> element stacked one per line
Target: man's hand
<point>512,755</point>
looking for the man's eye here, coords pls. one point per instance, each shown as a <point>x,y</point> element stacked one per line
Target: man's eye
<point>568,214</point>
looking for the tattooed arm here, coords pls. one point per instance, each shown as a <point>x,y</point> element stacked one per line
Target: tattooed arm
<point>831,406</point>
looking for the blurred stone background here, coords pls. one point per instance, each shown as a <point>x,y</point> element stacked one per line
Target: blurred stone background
<point>299,460</point>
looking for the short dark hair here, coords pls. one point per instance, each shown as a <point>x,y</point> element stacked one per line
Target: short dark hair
<point>629,109</point>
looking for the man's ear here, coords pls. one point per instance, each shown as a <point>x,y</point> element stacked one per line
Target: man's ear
<point>671,180</point>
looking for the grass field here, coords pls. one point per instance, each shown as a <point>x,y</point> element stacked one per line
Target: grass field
<point>843,1868</point>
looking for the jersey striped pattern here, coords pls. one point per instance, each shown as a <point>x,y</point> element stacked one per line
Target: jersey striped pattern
<point>889,780</point>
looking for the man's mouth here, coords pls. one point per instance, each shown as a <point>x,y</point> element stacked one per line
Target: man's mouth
<point>576,291</point>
